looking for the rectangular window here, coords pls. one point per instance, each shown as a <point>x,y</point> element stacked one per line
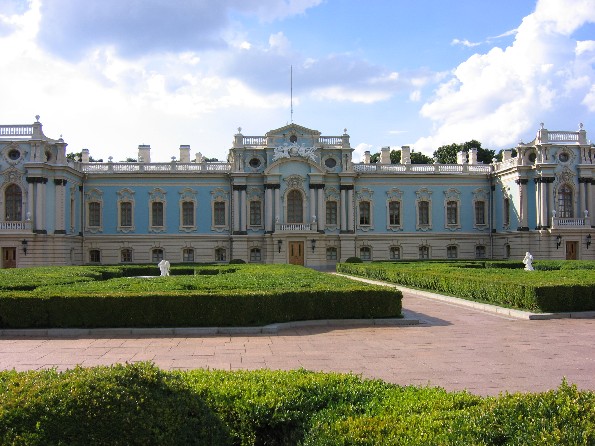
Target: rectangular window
<point>451,252</point>
<point>480,217</point>
<point>331,212</point>
<point>94,214</point>
<point>364,213</point>
<point>255,255</point>
<point>126,214</point>
<point>394,213</point>
<point>365,253</point>
<point>331,253</point>
<point>506,219</point>
<point>157,213</point>
<point>255,213</point>
<point>395,253</point>
<point>424,252</point>
<point>188,213</point>
<point>126,255</point>
<point>220,255</point>
<point>188,255</point>
<point>452,214</point>
<point>156,255</point>
<point>424,212</point>
<point>219,213</point>
<point>480,252</point>
<point>95,256</point>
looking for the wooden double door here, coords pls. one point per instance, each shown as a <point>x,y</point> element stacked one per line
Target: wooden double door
<point>296,253</point>
<point>9,257</point>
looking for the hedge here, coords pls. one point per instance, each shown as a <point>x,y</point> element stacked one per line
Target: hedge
<point>140,404</point>
<point>238,295</point>
<point>553,287</point>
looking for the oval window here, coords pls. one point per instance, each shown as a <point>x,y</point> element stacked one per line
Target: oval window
<point>532,157</point>
<point>563,157</point>
<point>254,163</point>
<point>14,154</point>
<point>330,162</point>
<point>293,138</point>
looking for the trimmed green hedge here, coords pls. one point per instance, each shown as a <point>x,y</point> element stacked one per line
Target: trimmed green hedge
<point>238,295</point>
<point>553,287</point>
<point>140,404</point>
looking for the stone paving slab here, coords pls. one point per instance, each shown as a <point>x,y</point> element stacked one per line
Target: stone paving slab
<point>453,346</point>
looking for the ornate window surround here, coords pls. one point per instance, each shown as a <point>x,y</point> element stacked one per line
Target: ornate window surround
<point>364,195</point>
<point>395,248</point>
<point>220,195</point>
<point>157,195</point>
<point>452,195</point>
<point>254,194</point>
<point>188,195</point>
<point>295,182</point>
<point>480,196</point>
<point>423,194</point>
<point>394,195</point>
<point>125,196</point>
<point>94,196</point>
<point>332,194</point>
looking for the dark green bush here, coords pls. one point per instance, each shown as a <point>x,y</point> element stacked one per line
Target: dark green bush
<point>354,260</point>
<point>236,261</point>
<point>118,405</point>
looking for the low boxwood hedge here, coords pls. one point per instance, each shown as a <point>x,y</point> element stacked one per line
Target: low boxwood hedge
<point>140,404</point>
<point>236,295</point>
<point>553,287</point>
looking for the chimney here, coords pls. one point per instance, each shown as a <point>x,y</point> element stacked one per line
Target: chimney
<point>184,153</point>
<point>144,153</point>
<point>85,156</point>
<point>385,155</point>
<point>367,157</point>
<point>405,155</point>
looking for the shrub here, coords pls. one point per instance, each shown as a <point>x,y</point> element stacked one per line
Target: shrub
<point>236,261</point>
<point>354,260</point>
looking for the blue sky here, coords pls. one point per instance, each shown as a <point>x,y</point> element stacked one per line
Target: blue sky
<point>112,74</point>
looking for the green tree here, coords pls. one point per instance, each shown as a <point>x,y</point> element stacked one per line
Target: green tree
<point>448,154</point>
<point>420,158</point>
<point>75,156</point>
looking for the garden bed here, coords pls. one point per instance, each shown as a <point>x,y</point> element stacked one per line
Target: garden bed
<point>204,296</point>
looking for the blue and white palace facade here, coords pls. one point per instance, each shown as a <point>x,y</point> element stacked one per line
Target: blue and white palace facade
<point>292,196</point>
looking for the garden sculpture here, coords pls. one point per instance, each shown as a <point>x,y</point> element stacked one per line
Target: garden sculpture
<point>164,267</point>
<point>528,261</point>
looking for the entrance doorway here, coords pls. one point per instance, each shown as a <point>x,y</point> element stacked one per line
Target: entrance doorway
<point>571,248</point>
<point>296,253</point>
<point>9,257</point>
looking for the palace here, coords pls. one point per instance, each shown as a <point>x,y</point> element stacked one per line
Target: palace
<point>292,196</point>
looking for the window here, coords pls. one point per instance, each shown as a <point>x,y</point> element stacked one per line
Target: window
<point>219,213</point>
<point>480,215</point>
<point>13,199</point>
<point>423,209</point>
<point>394,253</point>
<point>506,212</point>
<point>331,253</point>
<point>220,255</point>
<point>255,213</point>
<point>126,214</point>
<point>126,255</point>
<point>255,255</point>
<point>364,213</point>
<point>157,213</point>
<point>452,213</point>
<point>187,213</point>
<point>394,213</point>
<point>507,251</point>
<point>452,252</point>
<point>480,252</point>
<point>94,213</point>
<point>95,256</point>
<point>565,208</point>
<point>188,255</point>
<point>295,209</point>
<point>331,212</point>
<point>424,252</point>
<point>365,253</point>
<point>156,255</point>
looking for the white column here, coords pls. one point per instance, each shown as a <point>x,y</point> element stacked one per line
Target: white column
<point>590,198</point>
<point>30,202</point>
<point>312,204</point>
<point>60,195</point>
<point>39,213</point>
<point>551,205</point>
<point>524,203</point>
<point>236,210</point>
<point>278,210</point>
<point>582,205</point>
<point>343,211</point>
<point>243,210</point>
<point>350,210</point>
<point>321,210</point>
<point>268,209</point>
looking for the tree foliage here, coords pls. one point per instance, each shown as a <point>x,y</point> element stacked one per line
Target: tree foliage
<point>76,156</point>
<point>448,154</point>
<point>395,157</point>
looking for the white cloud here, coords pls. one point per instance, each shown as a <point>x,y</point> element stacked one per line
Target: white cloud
<point>497,97</point>
<point>358,151</point>
<point>465,42</point>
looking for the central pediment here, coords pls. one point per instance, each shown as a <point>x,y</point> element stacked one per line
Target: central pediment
<point>293,129</point>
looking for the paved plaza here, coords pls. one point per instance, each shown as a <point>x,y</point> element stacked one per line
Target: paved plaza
<point>453,347</point>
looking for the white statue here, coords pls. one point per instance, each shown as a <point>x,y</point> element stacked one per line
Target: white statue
<point>528,261</point>
<point>281,152</point>
<point>164,267</point>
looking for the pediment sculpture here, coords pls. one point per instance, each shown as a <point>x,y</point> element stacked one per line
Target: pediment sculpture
<point>293,150</point>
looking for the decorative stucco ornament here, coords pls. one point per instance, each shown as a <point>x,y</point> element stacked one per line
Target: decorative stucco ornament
<point>294,150</point>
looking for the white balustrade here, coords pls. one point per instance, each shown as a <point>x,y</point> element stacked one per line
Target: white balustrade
<point>330,140</point>
<point>558,136</point>
<point>12,131</point>
<point>15,225</point>
<point>255,141</point>
<point>292,227</point>
<point>154,167</point>
<point>570,222</point>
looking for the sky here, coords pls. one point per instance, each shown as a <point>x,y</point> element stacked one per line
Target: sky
<point>109,75</point>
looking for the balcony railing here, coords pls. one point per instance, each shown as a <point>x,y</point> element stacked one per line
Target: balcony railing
<point>111,168</point>
<point>569,223</point>
<point>7,227</point>
<point>16,131</point>
<point>423,168</point>
<point>294,227</point>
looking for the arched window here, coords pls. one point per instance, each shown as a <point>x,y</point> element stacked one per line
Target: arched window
<point>13,199</point>
<point>295,209</point>
<point>565,209</point>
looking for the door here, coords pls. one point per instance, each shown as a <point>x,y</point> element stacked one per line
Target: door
<point>296,253</point>
<point>9,257</point>
<point>571,248</point>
